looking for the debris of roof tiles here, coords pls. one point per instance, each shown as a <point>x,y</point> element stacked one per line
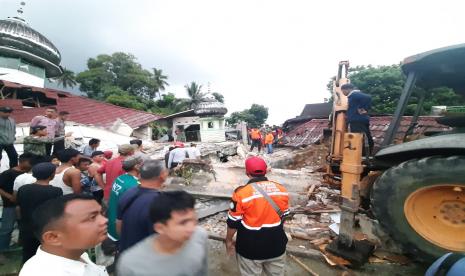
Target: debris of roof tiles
<point>312,131</point>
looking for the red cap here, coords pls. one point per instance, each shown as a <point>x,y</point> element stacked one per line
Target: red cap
<point>108,154</point>
<point>255,166</point>
<point>179,145</point>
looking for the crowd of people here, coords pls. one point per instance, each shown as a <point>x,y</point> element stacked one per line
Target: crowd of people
<point>264,138</point>
<point>72,201</point>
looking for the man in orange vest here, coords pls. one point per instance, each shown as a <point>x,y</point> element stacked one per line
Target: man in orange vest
<point>256,137</point>
<point>256,213</point>
<point>269,140</point>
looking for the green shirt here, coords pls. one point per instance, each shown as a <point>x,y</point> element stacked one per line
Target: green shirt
<point>7,131</point>
<point>36,145</point>
<point>120,186</point>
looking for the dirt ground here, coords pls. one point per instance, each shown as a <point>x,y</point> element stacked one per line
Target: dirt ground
<point>222,265</point>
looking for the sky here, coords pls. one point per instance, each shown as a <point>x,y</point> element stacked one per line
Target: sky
<point>280,54</point>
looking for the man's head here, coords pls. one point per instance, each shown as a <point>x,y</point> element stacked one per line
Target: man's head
<point>5,111</point>
<point>126,150</point>
<point>193,145</point>
<point>347,88</point>
<point>132,163</point>
<point>97,156</point>
<point>153,171</point>
<point>69,156</point>
<point>39,130</point>
<point>94,143</point>
<point>44,171</point>
<point>173,215</point>
<point>51,112</point>
<point>255,167</point>
<point>71,222</point>
<point>136,142</point>
<point>83,164</point>
<point>108,154</point>
<point>25,161</point>
<point>63,115</point>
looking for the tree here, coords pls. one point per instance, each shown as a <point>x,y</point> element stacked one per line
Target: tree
<point>67,79</point>
<point>119,70</point>
<point>219,97</point>
<point>160,80</point>
<point>193,91</point>
<point>255,116</point>
<point>385,83</point>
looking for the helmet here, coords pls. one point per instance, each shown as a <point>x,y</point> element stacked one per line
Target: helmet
<point>255,166</point>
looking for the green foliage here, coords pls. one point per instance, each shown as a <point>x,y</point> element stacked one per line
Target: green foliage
<point>169,104</point>
<point>120,80</point>
<point>255,116</point>
<point>67,79</point>
<point>385,83</point>
<point>119,70</point>
<point>219,97</point>
<point>117,96</point>
<point>193,91</point>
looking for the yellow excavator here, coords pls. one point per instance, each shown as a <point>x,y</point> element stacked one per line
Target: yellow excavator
<point>416,189</point>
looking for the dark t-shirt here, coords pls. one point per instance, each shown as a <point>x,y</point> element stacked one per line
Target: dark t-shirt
<point>133,210</point>
<point>29,197</point>
<point>7,180</point>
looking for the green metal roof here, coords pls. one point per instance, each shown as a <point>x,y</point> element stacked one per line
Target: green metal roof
<point>440,67</point>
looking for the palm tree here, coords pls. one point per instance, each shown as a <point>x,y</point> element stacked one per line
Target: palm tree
<point>193,90</point>
<point>67,79</point>
<point>160,80</point>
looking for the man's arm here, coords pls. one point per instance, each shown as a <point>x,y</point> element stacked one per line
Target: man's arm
<point>74,180</point>
<point>99,176</point>
<point>170,159</point>
<point>234,219</point>
<point>3,179</point>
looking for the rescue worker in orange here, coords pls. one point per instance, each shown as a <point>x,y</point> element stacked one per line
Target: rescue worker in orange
<point>269,140</point>
<point>256,215</point>
<point>256,137</point>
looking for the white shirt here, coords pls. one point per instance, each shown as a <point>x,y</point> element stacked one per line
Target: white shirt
<point>57,181</point>
<point>193,152</point>
<point>177,156</point>
<point>46,264</point>
<point>23,179</point>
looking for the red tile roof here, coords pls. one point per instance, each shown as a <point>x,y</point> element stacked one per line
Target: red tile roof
<point>82,110</point>
<point>311,132</point>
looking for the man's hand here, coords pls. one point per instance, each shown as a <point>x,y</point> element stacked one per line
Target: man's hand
<point>230,247</point>
<point>362,111</point>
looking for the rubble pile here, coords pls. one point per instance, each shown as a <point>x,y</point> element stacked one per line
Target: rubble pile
<point>215,224</point>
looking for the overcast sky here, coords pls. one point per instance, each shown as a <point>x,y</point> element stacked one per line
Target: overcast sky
<point>277,53</point>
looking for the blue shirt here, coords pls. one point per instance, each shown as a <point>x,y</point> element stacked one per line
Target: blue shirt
<point>136,222</point>
<point>358,100</point>
<point>456,270</point>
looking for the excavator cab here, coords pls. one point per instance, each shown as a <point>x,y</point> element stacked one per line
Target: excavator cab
<point>419,196</point>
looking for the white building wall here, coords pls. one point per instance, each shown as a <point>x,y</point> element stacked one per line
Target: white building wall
<point>21,77</point>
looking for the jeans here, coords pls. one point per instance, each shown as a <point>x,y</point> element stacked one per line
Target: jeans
<point>12,154</point>
<point>269,148</point>
<point>8,224</point>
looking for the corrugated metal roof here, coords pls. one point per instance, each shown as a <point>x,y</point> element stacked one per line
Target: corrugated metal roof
<point>82,110</point>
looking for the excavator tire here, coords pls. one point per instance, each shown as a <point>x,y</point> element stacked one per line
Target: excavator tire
<point>421,204</point>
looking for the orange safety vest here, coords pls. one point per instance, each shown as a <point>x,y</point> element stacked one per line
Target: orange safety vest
<point>269,139</point>
<point>254,211</point>
<point>255,134</point>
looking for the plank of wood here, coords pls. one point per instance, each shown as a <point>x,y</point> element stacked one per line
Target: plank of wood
<point>304,266</point>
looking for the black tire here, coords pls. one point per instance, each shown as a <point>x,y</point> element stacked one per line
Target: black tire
<point>392,189</point>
